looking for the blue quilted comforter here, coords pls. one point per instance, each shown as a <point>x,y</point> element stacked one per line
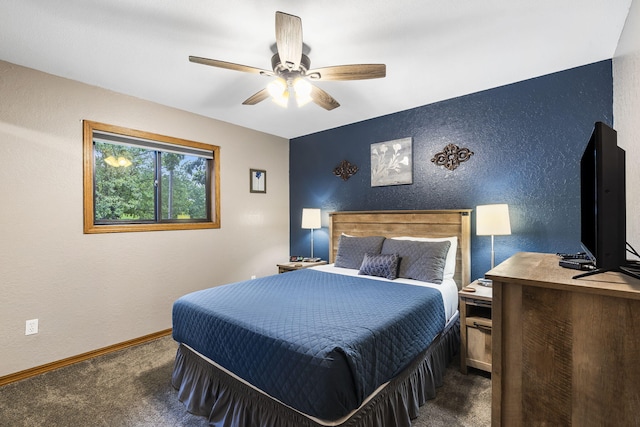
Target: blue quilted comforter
<point>318,342</point>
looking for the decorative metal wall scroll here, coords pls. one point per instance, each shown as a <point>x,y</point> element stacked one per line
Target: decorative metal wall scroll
<point>345,170</point>
<point>451,156</point>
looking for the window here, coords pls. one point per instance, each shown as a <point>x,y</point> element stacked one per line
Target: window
<point>139,181</point>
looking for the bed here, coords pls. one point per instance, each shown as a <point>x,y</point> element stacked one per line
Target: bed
<point>363,341</point>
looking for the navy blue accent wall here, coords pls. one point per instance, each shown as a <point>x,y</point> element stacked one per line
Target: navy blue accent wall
<point>527,139</point>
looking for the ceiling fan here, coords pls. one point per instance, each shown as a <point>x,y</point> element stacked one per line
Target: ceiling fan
<point>291,67</point>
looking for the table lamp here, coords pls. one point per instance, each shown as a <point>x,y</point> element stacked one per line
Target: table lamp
<point>492,220</point>
<point>311,220</point>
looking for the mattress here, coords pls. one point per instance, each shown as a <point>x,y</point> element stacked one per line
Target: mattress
<point>447,288</point>
<point>317,341</point>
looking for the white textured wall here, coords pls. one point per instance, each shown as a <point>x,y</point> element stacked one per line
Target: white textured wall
<point>626,114</point>
<point>91,291</point>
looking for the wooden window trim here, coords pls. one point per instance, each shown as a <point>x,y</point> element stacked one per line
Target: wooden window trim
<point>88,185</point>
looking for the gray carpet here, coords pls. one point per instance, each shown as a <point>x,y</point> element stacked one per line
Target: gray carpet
<point>132,387</point>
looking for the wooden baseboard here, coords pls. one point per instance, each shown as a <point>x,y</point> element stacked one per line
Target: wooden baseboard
<point>28,373</point>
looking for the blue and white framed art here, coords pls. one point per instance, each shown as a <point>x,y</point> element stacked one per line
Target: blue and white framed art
<point>257,181</point>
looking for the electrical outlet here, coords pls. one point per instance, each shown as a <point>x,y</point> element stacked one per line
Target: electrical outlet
<point>253,277</point>
<point>31,327</point>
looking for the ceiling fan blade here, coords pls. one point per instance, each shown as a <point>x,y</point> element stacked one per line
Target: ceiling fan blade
<point>348,72</point>
<point>257,97</point>
<point>289,39</point>
<point>323,99</point>
<point>229,65</point>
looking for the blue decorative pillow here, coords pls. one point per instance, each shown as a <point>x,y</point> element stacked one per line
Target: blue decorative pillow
<point>351,250</point>
<point>422,261</point>
<point>381,265</point>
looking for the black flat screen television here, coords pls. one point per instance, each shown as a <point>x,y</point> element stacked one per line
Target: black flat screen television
<point>602,201</point>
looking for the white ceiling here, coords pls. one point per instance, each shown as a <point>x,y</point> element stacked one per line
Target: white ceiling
<point>433,49</point>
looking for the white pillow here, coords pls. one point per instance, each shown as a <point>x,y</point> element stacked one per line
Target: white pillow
<point>450,262</point>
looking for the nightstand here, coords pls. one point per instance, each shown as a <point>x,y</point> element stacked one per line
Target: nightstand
<point>299,265</point>
<point>475,328</point>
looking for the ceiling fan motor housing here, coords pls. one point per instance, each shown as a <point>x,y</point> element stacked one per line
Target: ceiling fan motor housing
<point>285,72</point>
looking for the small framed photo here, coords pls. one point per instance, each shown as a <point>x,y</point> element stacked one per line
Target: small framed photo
<point>257,181</point>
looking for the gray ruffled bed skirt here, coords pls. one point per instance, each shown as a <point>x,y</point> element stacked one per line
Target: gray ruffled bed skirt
<point>226,402</point>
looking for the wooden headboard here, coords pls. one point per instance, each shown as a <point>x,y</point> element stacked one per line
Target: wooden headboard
<point>436,223</point>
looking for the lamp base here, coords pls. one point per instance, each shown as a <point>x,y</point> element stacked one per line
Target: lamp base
<point>312,243</point>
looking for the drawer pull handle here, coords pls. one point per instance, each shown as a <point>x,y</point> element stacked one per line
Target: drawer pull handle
<point>479,326</point>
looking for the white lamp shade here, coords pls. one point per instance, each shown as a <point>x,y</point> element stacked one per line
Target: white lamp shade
<point>493,220</point>
<point>311,218</point>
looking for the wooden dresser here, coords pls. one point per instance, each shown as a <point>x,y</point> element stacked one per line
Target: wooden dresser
<point>565,352</point>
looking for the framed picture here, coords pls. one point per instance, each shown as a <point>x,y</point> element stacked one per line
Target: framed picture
<point>391,163</point>
<point>257,181</point>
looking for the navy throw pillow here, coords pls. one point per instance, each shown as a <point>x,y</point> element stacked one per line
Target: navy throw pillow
<point>380,265</point>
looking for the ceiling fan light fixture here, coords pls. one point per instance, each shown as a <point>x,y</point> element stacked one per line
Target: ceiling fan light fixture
<point>302,88</point>
<point>283,100</point>
<point>291,65</point>
<point>279,92</point>
<point>301,101</point>
<point>277,88</point>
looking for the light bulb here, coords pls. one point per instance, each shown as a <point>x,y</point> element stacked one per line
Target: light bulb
<point>302,89</point>
<point>282,100</point>
<point>279,92</point>
<point>277,88</point>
